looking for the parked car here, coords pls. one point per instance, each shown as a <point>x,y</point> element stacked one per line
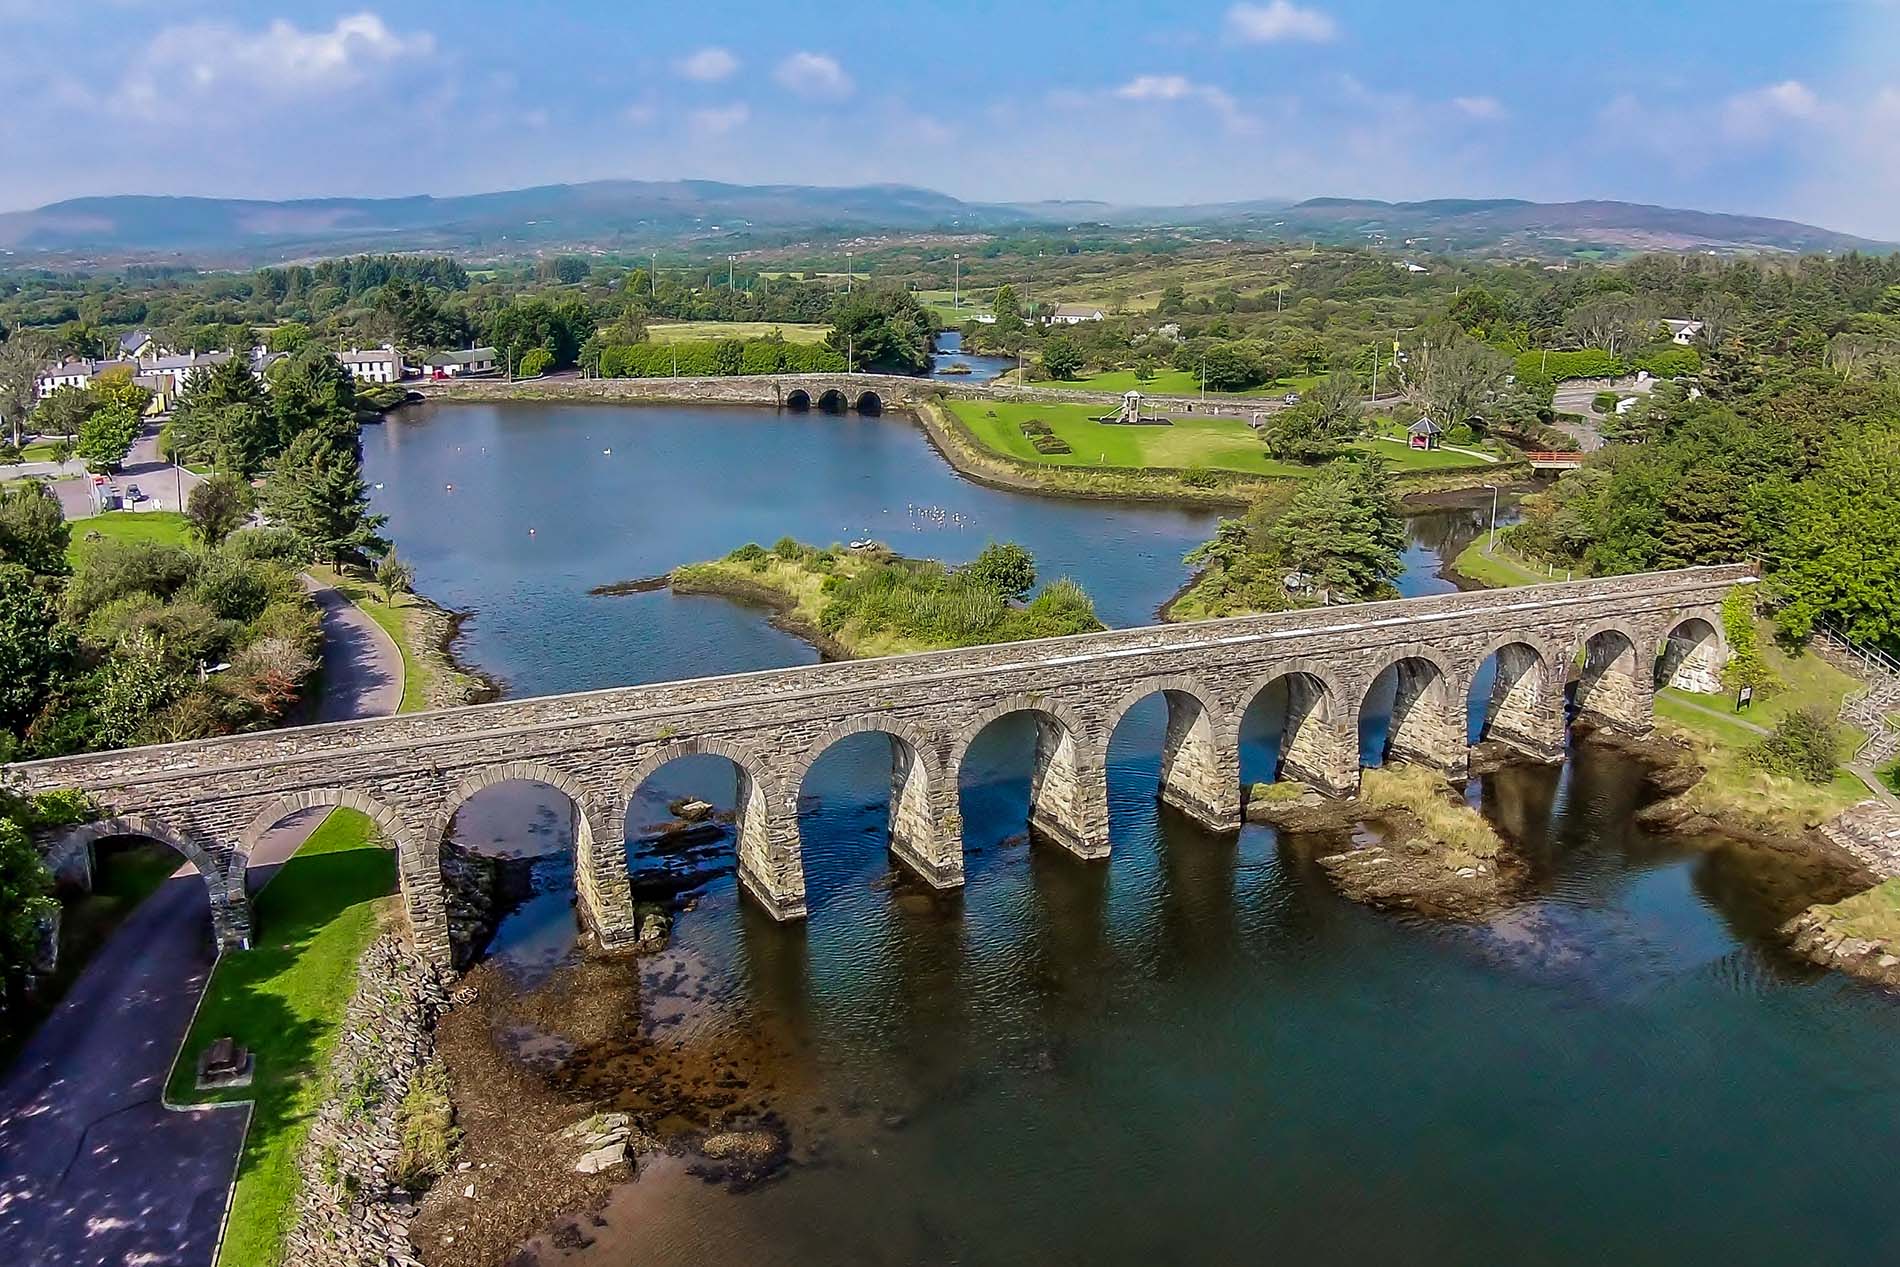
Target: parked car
<point>134,494</point>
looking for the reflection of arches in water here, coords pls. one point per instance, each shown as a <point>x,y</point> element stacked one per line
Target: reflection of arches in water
<point>1611,684</point>
<point>529,832</point>
<point>1691,657</point>
<point>770,869</point>
<point>833,401</point>
<point>920,829</point>
<point>1068,790</point>
<point>799,400</point>
<point>1515,698</point>
<point>1409,712</point>
<point>1290,728</point>
<point>1199,774</point>
<point>870,403</point>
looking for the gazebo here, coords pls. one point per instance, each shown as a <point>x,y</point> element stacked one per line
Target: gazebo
<point>1423,434</point>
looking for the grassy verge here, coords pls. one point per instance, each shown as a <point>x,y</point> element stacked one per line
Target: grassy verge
<point>1735,789</point>
<point>166,527</point>
<point>1203,441</point>
<point>687,331</point>
<point>1176,383</point>
<point>283,1001</point>
<point>401,620</point>
<point>1498,568</point>
<point>1873,914</point>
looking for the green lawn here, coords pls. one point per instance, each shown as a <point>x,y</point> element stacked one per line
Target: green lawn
<point>1196,441</point>
<point>166,527</point>
<point>1499,568</point>
<point>283,1000</point>
<point>398,621</point>
<point>1172,383</point>
<point>688,331</point>
<point>38,451</point>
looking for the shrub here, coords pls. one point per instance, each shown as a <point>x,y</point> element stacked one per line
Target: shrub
<point>787,548</point>
<point>277,543</point>
<point>750,552</point>
<point>1745,666</point>
<point>1804,745</point>
<point>1034,427</point>
<point>535,362</point>
<point>1199,477</point>
<point>426,1121</point>
<point>1004,567</point>
<point>1051,444</point>
<point>1670,362</point>
<point>118,568</point>
<point>703,358</point>
<point>1604,402</point>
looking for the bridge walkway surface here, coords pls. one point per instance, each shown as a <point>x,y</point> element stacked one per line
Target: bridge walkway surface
<point>94,1169</point>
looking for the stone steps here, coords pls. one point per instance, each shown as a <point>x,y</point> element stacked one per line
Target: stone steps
<point>1870,832</point>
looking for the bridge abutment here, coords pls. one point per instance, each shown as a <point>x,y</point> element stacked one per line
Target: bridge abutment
<point>1316,747</point>
<point>601,886</point>
<point>926,826</point>
<point>771,868</point>
<point>1611,688</point>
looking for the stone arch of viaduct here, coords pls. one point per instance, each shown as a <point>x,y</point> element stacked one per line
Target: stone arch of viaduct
<point>212,799</point>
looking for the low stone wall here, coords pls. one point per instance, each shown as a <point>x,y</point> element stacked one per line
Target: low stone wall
<point>351,1212</point>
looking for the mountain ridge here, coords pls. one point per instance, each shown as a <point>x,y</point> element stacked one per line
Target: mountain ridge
<point>642,213</point>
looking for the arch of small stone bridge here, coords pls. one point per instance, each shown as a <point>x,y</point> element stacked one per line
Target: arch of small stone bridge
<point>213,797</point>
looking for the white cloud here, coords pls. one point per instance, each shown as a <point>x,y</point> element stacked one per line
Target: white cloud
<point>719,120</point>
<point>1181,88</point>
<point>1756,114</point>
<point>708,65</point>
<point>1156,88</point>
<point>815,76</point>
<point>1280,21</point>
<point>1486,108</point>
<point>280,61</point>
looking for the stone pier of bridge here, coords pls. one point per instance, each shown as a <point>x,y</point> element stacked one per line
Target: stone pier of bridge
<point>1616,638</point>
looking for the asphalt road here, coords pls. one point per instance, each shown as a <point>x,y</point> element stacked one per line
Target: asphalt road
<point>94,1170</point>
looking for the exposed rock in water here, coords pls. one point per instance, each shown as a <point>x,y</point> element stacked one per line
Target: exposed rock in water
<point>640,585</point>
<point>1398,864</point>
<point>689,810</point>
<point>743,1154</point>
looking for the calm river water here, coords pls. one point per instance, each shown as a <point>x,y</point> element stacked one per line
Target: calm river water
<point>1196,1052</point>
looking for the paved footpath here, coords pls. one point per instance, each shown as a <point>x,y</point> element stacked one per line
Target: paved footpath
<point>94,1170</point>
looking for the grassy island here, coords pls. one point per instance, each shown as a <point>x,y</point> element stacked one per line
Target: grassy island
<point>870,602</point>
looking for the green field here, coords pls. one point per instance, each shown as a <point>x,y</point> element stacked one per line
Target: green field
<point>1173,383</point>
<point>283,1000</point>
<point>1200,441</point>
<point>690,331</point>
<point>167,527</point>
<point>1499,568</point>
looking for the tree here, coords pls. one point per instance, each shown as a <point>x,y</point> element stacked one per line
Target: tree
<point>1343,530</point>
<point>1008,310</point>
<point>34,650</point>
<point>316,490</point>
<point>312,391</point>
<point>33,530</point>
<point>1232,367</point>
<point>1477,312</point>
<point>1805,744</point>
<point>63,411</point>
<point>19,385</point>
<point>218,507</point>
<point>883,328</point>
<point>1615,322</point>
<point>1061,358</point>
<point>395,576</point>
<point>204,426</point>
<point>1838,558</point>
<point>107,437</point>
<point>534,363</point>
<point>1004,567</point>
<point>535,322</point>
<point>288,338</point>
<point>26,903</point>
<point>1452,377</point>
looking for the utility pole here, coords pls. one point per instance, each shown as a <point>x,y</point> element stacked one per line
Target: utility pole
<point>1375,373</point>
<point>729,260</point>
<point>653,282</point>
<point>847,272</point>
<point>956,280</point>
<point>1494,517</point>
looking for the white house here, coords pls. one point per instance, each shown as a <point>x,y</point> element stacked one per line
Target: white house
<point>141,345</point>
<point>78,373</point>
<point>178,369</point>
<point>1075,314</point>
<point>1683,331</point>
<point>373,365</point>
<point>458,364</point>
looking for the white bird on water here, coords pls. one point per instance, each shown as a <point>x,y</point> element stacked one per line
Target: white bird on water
<point>607,453</point>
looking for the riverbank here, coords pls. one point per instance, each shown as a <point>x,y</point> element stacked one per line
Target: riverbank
<point>433,676</point>
<point>861,603</point>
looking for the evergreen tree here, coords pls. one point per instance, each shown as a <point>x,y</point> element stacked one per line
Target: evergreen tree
<point>1343,530</point>
<point>316,490</point>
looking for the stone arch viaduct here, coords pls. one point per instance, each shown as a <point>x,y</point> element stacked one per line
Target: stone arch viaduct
<point>212,799</point>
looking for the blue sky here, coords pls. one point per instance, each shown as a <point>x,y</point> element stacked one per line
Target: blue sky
<point>1787,108</point>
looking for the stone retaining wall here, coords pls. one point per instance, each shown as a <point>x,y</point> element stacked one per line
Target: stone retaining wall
<point>350,1212</point>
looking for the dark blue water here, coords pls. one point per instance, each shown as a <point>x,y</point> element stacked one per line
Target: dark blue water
<point>1197,1051</point>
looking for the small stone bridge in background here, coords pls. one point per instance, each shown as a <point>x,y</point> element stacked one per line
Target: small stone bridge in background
<point>213,799</point>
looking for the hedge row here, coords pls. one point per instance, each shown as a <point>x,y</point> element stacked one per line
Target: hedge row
<point>1666,362</point>
<point>709,358</point>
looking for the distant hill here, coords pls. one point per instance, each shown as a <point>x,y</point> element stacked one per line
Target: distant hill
<point>629,214</point>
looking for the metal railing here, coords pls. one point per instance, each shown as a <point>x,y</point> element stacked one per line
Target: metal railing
<point>1873,657</point>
